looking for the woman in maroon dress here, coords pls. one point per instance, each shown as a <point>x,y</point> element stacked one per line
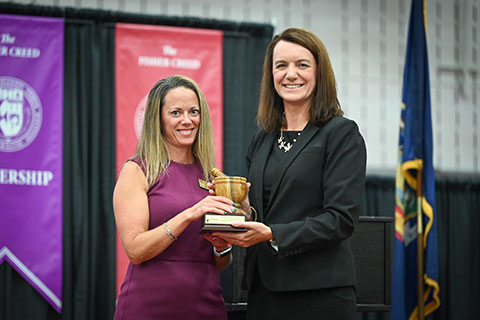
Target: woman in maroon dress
<point>159,202</point>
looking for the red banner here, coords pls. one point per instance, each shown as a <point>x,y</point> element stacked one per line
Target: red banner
<point>145,54</point>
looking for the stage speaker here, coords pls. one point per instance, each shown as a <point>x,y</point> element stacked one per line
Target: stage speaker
<point>371,246</point>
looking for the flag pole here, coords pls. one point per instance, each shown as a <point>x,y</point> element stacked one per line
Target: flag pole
<point>420,246</point>
<point>420,216</point>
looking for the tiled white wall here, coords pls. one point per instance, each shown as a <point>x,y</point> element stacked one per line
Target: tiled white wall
<point>366,40</point>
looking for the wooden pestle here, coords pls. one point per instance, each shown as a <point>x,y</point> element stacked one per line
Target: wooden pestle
<point>217,173</point>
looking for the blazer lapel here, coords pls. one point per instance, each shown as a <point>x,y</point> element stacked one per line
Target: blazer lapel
<point>307,134</point>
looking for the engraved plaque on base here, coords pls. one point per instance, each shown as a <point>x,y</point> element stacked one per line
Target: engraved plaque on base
<point>222,222</point>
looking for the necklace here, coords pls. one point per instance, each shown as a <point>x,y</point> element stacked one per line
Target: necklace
<point>283,145</point>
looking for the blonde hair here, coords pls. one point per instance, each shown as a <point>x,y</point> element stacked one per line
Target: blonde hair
<point>152,149</point>
<point>324,104</point>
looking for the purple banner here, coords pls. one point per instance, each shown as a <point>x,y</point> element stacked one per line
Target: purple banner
<point>31,151</point>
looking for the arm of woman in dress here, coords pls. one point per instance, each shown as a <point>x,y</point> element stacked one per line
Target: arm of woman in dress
<point>130,204</point>
<point>222,258</point>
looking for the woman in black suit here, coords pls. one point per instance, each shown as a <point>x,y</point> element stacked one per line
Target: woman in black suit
<point>306,165</point>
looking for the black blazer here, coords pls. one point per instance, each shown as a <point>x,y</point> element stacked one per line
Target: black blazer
<point>313,208</point>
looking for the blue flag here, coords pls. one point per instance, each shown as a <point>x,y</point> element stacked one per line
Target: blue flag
<point>415,183</point>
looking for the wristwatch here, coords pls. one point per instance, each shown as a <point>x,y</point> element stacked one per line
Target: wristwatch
<point>223,253</point>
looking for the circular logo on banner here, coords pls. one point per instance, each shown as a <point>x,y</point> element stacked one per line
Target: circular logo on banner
<point>20,114</point>
<point>139,116</point>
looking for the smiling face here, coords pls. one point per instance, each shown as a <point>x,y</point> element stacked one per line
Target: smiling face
<point>294,73</point>
<point>180,119</point>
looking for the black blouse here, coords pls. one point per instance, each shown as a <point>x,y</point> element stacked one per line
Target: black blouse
<point>274,158</point>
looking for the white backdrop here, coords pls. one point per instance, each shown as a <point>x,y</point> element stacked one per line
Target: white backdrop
<point>366,40</point>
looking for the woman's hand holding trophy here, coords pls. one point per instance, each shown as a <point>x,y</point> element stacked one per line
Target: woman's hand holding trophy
<point>235,189</point>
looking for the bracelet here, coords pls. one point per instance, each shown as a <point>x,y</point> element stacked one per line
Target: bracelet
<point>222,253</point>
<point>254,211</point>
<point>168,232</point>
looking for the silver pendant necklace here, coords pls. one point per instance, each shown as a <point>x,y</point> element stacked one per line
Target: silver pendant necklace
<point>283,145</point>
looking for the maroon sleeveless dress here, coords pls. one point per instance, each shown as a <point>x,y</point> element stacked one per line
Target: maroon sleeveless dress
<point>182,282</point>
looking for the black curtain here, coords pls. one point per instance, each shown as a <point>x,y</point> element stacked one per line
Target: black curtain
<point>89,152</point>
<point>89,176</point>
<point>457,201</point>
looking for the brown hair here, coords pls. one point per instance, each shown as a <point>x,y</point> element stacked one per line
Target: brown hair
<point>152,148</point>
<point>324,104</point>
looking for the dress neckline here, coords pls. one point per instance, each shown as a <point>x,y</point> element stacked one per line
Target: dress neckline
<point>183,164</point>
